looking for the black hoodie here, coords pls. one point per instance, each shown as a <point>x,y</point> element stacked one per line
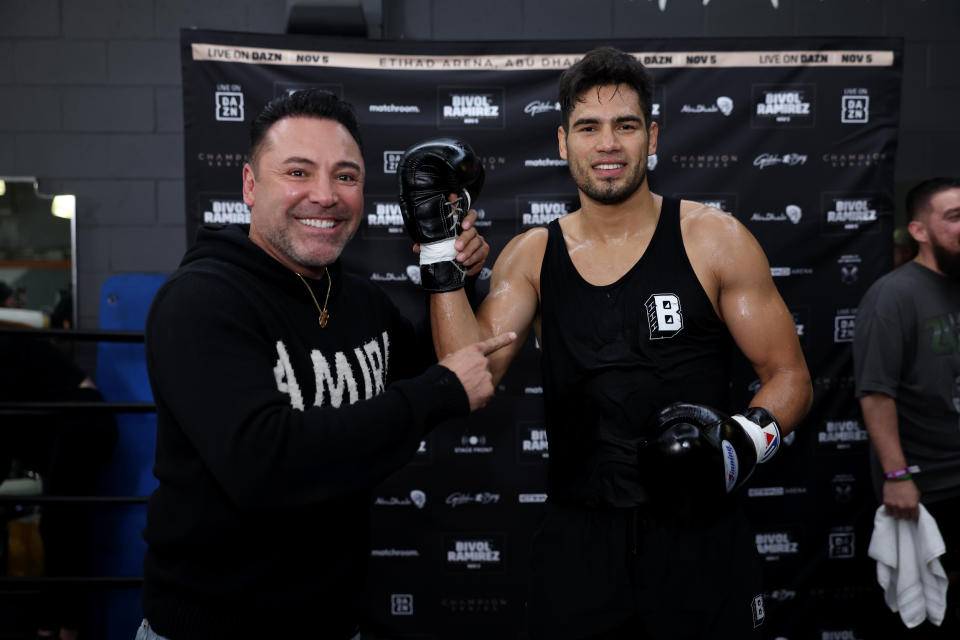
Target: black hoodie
<point>259,526</point>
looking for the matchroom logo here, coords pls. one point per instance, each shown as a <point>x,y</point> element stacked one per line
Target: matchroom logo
<point>470,108</point>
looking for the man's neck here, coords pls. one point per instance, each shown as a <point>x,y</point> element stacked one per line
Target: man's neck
<point>614,221</point>
<point>314,273</point>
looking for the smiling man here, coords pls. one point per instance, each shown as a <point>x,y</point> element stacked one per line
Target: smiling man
<point>286,388</point>
<point>634,298</point>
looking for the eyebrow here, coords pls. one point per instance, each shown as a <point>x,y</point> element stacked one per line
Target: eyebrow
<point>619,119</point>
<point>343,163</point>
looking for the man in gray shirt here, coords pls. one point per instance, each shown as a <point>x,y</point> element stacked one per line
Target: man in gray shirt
<point>907,368</point>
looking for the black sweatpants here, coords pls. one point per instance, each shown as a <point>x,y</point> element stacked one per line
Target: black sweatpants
<point>639,574</point>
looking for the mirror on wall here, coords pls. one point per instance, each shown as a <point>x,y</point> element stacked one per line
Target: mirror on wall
<point>38,274</point>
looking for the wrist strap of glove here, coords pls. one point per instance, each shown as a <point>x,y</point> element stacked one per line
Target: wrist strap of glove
<point>440,251</point>
<point>763,429</point>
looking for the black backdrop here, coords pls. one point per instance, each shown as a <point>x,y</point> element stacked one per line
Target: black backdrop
<point>795,137</point>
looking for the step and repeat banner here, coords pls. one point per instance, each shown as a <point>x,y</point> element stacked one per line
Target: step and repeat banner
<point>794,137</point>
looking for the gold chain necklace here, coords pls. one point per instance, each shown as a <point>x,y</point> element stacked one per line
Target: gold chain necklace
<point>324,316</point>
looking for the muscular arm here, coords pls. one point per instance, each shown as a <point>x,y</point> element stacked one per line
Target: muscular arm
<point>510,306</point>
<point>880,415</point>
<point>757,318</point>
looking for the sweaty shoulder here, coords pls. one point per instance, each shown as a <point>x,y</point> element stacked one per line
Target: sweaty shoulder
<point>699,221</point>
<point>712,234</point>
<point>523,256</point>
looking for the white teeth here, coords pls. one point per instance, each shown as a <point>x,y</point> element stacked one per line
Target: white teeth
<point>607,166</point>
<point>319,224</point>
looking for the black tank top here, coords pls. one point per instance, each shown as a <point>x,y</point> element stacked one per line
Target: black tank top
<point>615,354</point>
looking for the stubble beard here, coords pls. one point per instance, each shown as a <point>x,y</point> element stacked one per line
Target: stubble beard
<point>281,237</point>
<point>607,191</point>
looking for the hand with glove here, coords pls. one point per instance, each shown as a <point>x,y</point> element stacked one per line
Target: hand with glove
<point>429,173</point>
<point>693,444</point>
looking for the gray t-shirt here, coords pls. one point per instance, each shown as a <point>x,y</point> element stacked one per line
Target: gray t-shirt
<point>907,346</point>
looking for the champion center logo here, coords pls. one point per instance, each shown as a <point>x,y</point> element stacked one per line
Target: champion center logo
<point>705,160</point>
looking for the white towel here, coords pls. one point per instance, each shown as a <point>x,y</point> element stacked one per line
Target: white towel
<point>908,566</point>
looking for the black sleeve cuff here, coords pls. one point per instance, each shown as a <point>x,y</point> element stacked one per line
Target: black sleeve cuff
<point>436,395</point>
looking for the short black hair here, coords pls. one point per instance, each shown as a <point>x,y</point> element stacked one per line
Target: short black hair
<point>919,196</point>
<point>309,103</point>
<point>601,67</point>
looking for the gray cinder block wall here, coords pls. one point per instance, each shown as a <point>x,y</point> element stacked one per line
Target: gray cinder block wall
<point>90,98</point>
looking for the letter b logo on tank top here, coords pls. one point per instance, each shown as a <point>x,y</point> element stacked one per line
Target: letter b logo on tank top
<point>663,315</point>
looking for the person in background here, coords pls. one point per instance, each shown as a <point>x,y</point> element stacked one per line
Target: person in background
<point>907,370</point>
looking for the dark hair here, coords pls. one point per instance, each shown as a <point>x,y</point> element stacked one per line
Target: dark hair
<point>310,103</point>
<point>919,196</point>
<point>600,67</point>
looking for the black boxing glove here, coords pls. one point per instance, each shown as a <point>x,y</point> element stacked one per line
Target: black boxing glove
<point>429,172</point>
<point>703,442</point>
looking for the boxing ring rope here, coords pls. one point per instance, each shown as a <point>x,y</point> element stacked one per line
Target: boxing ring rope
<point>32,585</point>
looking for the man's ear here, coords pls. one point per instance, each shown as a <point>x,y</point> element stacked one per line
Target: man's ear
<point>653,134</point>
<point>562,141</point>
<point>919,231</point>
<point>249,182</point>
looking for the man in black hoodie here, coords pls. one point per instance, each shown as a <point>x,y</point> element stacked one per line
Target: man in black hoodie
<point>286,388</point>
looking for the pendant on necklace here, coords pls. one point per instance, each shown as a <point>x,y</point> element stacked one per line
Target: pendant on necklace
<point>324,316</point>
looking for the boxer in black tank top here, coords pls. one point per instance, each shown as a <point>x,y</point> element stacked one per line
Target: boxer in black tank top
<point>636,300</point>
<point>615,354</point>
